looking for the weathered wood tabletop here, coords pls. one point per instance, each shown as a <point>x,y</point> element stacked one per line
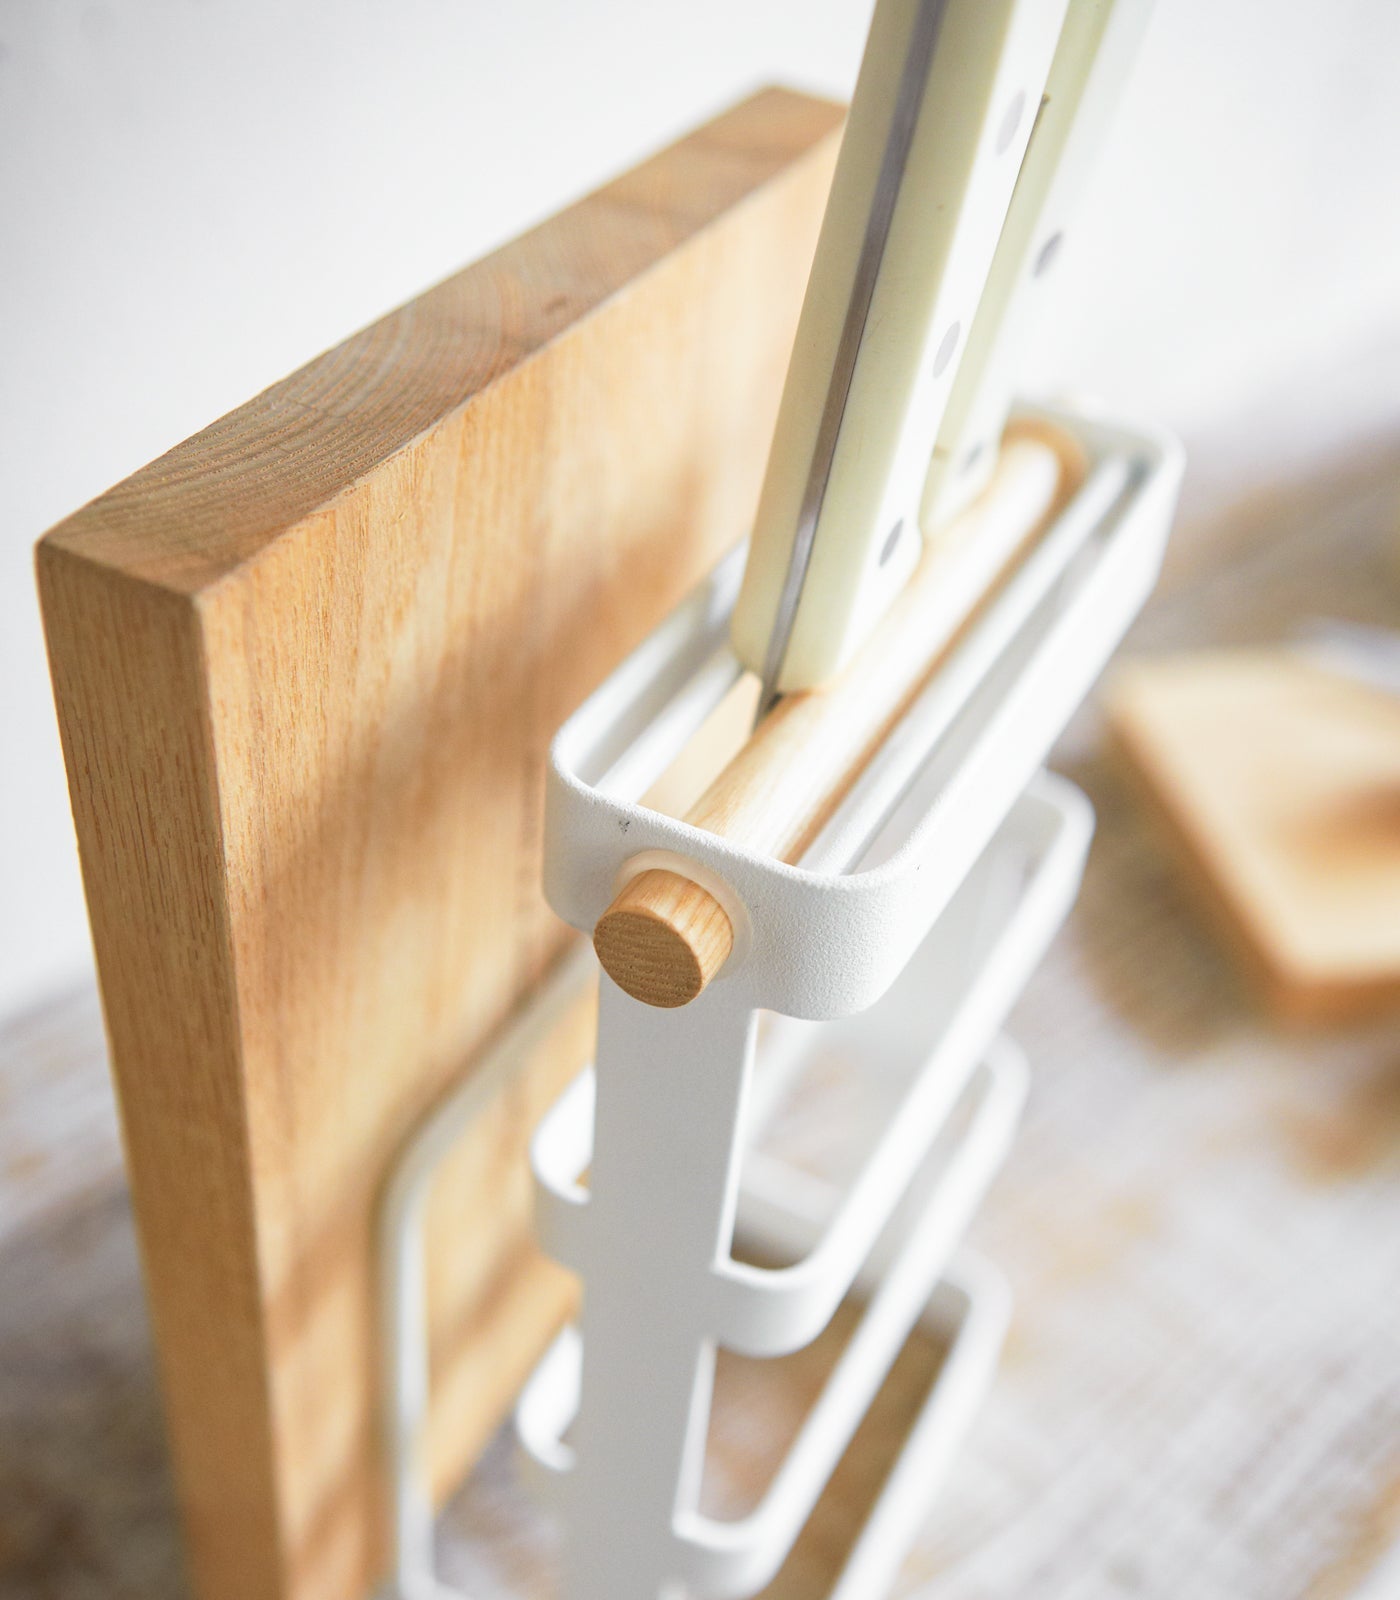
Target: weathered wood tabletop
<point>1200,1220</point>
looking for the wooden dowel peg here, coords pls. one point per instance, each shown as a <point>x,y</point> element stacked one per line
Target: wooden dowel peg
<point>664,937</point>
<point>667,935</point>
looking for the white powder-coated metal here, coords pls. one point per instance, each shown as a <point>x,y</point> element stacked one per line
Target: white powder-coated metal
<point>907,930</point>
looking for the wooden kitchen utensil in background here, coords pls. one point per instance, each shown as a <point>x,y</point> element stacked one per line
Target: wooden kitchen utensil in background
<point>1278,781</point>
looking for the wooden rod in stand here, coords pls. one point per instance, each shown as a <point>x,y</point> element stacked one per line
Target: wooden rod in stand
<point>664,937</point>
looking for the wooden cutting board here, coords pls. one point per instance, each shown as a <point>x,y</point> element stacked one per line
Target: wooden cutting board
<point>306,667</point>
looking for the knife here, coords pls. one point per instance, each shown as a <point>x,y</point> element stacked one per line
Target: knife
<point>970,130</point>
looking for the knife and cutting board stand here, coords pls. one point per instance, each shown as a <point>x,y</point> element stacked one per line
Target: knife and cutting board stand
<point>307,670</point>
<point>900,939</point>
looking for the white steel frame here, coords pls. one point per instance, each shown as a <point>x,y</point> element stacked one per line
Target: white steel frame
<point>907,930</point>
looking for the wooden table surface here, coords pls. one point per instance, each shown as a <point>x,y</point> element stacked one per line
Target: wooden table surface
<point>1200,1220</point>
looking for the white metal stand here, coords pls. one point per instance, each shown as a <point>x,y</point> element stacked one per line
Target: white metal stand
<point>905,936</point>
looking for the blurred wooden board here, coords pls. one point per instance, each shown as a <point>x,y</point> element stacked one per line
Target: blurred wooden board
<point>306,667</point>
<point>1280,782</point>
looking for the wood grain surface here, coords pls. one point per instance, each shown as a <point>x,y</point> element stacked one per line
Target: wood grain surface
<point>306,667</point>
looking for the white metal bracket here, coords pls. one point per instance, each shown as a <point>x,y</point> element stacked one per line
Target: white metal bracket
<point>902,938</point>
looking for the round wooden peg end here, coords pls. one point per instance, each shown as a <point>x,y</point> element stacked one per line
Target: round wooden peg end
<point>663,938</point>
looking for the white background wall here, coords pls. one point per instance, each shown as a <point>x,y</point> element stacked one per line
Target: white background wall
<point>196,196</point>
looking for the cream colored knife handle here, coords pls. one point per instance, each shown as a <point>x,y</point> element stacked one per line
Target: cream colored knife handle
<point>1097,46</point>
<point>985,72</point>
